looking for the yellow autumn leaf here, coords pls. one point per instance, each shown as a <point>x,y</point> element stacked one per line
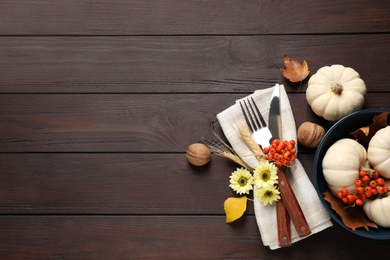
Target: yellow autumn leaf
<point>234,208</point>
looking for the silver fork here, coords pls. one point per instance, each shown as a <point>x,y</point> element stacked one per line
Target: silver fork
<point>255,121</point>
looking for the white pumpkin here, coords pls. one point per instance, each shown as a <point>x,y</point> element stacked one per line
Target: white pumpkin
<point>341,164</point>
<point>379,152</point>
<point>335,91</point>
<point>378,211</point>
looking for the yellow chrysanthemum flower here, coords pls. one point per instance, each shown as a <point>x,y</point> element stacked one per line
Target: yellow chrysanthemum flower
<point>241,181</point>
<point>265,173</point>
<point>268,194</point>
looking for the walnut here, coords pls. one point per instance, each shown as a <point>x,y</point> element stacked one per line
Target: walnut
<point>310,134</point>
<point>198,154</point>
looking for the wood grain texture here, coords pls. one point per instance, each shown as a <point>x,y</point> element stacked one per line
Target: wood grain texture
<point>164,237</point>
<point>99,101</point>
<point>122,123</point>
<point>119,17</point>
<point>168,64</point>
<point>36,183</point>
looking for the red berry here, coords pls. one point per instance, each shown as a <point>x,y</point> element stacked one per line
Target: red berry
<point>368,191</point>
<point>365,178</point>
<point>375,175</point>
<point>380,181</point>
<point>359,202</point>
<point>344,191</point>
<point>350,198</point>
<point>340,195</point>
<point>362,173</point>
<point>373,184</point>
<point>358,183</point>
<point>360,190</point>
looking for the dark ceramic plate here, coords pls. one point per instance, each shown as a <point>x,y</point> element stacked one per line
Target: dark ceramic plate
<point>342,129</point>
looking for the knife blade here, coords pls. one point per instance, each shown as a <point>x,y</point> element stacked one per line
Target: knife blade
<point>288,197</point>
<point>274,118</point>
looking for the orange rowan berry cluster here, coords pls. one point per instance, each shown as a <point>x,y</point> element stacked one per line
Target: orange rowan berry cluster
<point>281,152</point>
<point>369,185</point>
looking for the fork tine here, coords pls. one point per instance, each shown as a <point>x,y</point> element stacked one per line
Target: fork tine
<point>255,122</point>
<point>254,116</point>
<point>247,120</point>
<point>263,123</point>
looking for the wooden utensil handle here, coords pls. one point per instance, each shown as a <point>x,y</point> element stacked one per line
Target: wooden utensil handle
<point>283,222</point>
<point>292,205</point>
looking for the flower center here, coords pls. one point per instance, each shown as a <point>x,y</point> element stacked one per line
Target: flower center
<point>268,193</point>
<point>265,176</point>
<point>242,181</point>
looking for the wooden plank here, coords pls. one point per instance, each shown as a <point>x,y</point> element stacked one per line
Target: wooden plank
<point>118,17</point>
<point>116,184</point>
<point>112,183</point>
<point>169,64</point>
<point>165,237</point>
<point>123,123</point>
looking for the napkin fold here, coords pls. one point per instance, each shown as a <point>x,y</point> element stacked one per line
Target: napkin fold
<point>316,215</point>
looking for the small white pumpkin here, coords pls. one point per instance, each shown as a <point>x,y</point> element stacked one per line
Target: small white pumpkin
<point>379,152</point>
<point>341,164</point>
<point>335,91</point>
<point>378,211</point>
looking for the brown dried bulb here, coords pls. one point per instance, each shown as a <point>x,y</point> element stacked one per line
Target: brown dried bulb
<point>198,154</point>
<point>310,134</point>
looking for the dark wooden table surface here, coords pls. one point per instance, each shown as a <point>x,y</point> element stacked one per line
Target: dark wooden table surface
<point>99,101</point>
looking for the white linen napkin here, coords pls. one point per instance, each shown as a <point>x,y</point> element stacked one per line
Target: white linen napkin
<point>316,215</point>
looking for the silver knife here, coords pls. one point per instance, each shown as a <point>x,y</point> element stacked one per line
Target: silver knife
<point>274,118</point>
<point>288,197</point>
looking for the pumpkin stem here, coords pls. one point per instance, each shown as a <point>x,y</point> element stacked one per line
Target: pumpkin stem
<point>336,88</point>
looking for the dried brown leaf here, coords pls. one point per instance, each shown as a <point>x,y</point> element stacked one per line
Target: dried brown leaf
<point>363,135</point>
<point>294,70</point>
<point>352,217</point>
